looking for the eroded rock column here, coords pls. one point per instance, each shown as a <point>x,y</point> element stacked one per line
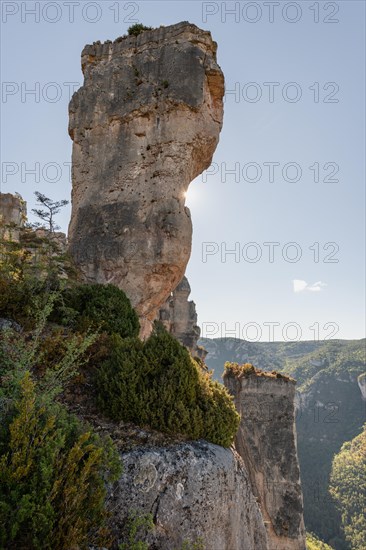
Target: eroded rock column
<point>179,317</point>
<point>145,123</point>
<point>266,441</point>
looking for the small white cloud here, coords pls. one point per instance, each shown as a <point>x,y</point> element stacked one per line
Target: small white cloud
<point>317,287</point>
<point>301,286</point>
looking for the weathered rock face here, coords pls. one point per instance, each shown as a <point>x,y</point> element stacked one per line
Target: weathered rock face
<point>266,441</point>
<point>195,492</point>
<point>144,124</point>
<point>13,213</point>
<point>35,242</point>
<point>179,317</point>
<point>361,381</point>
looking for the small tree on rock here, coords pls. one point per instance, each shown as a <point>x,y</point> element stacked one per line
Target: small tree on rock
<point>50,247</point>
<point>137,29</point>
<point>51,208</point>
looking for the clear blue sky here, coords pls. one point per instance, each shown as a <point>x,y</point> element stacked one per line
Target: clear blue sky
<point>312,115</point>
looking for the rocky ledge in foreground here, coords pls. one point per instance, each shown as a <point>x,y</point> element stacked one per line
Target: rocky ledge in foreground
<point>197,493</point>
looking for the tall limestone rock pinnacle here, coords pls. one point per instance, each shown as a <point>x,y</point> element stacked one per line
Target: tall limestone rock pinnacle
<point>266,441</point>
<point>145,123</point>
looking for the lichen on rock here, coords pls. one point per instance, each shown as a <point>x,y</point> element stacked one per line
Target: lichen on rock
<point>197,493</point>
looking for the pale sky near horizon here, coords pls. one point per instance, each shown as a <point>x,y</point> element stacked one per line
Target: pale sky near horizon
<point>285,192</point>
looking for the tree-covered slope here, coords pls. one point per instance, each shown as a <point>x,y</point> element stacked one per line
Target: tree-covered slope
<point>302,360</point>
<point>348,487</point>
<point>313,543</point>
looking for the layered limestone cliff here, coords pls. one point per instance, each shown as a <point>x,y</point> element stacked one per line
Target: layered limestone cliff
<point>198,494</point>
<point>266,441</point>
<point>145,123</point>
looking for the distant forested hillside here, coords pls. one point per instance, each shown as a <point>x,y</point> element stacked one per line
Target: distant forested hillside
<point>348,487</point>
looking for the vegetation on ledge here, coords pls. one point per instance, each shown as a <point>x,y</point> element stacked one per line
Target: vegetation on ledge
<point>158,384</point>
<point>59,340</point>
<point>137,29</point>
<point>247,369</point>
<point>53,467</point>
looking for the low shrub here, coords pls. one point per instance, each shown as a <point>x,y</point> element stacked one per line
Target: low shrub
<point>137,29</point>
<point>20,299</point>
<point>53,469</point>
<point>97,306</point>
<point>137,528</point>
<point>221,421</point>
<point>158,384</point>
<point>247,369</point>
<point>120,383</point>
<point>172,387</point>
<point>52,476</point>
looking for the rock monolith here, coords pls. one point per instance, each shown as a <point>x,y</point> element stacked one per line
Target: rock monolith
<point>144,124</point>
<point>266,441</point>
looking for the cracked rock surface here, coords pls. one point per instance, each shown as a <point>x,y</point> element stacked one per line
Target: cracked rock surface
<point>179,317</point>
<point>196,492</point>
<point>145,123</point>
